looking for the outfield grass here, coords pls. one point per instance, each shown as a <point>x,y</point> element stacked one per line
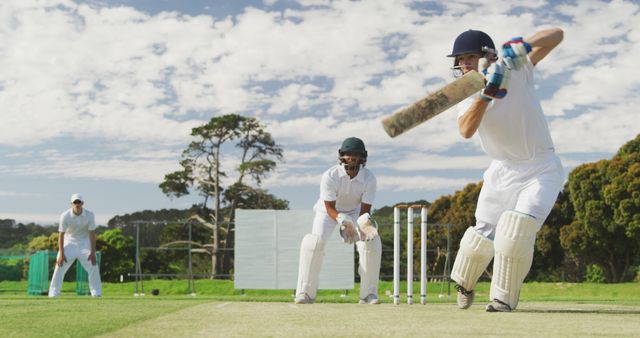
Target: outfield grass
<point>546,309</point>
<point>223,290</point>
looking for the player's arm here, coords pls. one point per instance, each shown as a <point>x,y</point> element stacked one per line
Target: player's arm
<point>92,255</point>
<point>330,206</point>
<point>342,219</point>
<point>347,225</point>
<point>469,122</point>
<point>365,209</point>
<point>496,76</point>
<point>544,42</point>
<point>61,258</point>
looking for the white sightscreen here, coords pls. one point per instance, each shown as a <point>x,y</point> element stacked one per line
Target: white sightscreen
<point>267,249</point>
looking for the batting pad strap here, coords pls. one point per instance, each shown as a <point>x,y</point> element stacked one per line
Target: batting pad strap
<point>472,259</point>
<point>514,244</point>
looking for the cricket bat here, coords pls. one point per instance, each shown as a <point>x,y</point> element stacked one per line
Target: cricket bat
<point>434,104</point>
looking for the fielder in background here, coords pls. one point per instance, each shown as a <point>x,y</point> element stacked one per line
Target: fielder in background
<point>347,191</point>
<point>525,175</point>
<point>77,240</point>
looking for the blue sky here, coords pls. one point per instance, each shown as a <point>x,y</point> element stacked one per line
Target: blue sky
<point>99,97</point>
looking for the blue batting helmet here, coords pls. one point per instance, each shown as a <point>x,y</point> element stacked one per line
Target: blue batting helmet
<point>472,41</point>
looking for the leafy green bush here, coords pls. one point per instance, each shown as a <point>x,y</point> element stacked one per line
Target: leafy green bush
<point>595,274</point>
<point>12,272</point>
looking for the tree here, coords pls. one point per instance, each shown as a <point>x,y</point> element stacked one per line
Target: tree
<point>606,199</point>
<point>118,254</point>
<point>44,242</point>
<point>246,197</point>
<point>259,153</point>
<point>550,262</point>
<point>201,169</point>
<point>167,230</point>
<point>11,234</point>
<point>457,210</point>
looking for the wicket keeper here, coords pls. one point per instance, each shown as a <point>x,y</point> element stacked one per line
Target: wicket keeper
<point>525,175</point>
<point>347,191</point>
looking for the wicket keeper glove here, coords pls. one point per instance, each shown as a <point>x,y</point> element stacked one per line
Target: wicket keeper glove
<point>348,230</point>
<point>368,231</point>
<point>515,52</point>
<point>497,77</point>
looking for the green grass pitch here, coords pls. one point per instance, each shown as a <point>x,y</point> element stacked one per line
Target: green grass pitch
<point>546,310</point>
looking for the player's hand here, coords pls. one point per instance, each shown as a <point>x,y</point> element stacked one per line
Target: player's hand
<point>92,258</point>
<point>497,77</point>
<point>349,234</point>
<point>344,220</point>
<point>348,229</point>
<point>61,259</point>
<point>368,231</point>
<point>515,53</point>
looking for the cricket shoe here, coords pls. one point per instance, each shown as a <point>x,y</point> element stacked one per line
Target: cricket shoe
<point>498,306</point>
<point>465,298</point>
<point>303,298</point>
<point>370,299</point>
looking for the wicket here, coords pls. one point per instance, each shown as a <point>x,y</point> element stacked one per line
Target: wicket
<point>396,253</point>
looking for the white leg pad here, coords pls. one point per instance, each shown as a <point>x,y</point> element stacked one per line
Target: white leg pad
<point>514,244</point>
<point>369,260</point>
<point>472,259</point>
<point>311,256</point>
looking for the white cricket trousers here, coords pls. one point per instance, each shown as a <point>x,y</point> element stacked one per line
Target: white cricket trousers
<point>531,189</point>
<point>369,253</point>
<point>80,250</point>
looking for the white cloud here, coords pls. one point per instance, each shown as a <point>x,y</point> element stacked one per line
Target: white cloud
<point>597,130</point>
<point>149,167</point>
<point>136,83</point>
<point>146,171</point>
<point>420,162</point>
<point>424,183</point>
<point>18,194</point>
<point>292,180</point>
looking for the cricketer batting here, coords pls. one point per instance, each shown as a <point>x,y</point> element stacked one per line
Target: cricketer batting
<point>525,176</point>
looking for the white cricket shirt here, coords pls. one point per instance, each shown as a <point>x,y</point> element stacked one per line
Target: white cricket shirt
<point>514,128</point>
<point>76,227</point>
<point>336,185</point>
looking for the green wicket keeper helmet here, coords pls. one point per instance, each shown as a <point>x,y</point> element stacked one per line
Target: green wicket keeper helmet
<point>349,146</point>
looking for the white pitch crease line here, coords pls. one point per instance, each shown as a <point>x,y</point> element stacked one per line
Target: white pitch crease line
<point>219,306</point>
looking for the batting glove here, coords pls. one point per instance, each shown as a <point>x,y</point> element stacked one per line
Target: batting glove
<point>483,65</point>
<point>515,52</point>
<point>497,77</point>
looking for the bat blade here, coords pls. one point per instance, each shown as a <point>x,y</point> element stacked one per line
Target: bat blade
<point>434,104</point>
